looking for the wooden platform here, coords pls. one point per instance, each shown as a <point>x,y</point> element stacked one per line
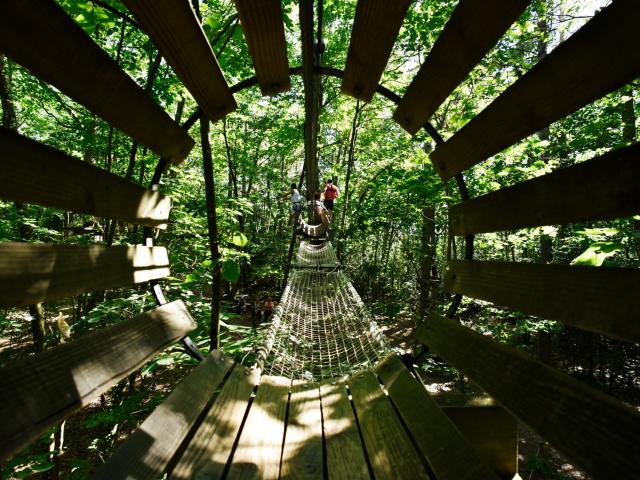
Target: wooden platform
<point>378,423</point>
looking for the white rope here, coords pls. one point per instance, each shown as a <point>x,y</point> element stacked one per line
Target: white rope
<point>321,328</point>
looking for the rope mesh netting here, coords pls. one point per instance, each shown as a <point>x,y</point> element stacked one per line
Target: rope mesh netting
<point>321,329</point>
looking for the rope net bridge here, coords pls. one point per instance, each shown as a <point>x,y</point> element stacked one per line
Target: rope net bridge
<point>321,329</point>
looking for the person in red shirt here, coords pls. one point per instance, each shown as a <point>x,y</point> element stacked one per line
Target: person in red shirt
<point>268,308</point>
<point>331,192</point>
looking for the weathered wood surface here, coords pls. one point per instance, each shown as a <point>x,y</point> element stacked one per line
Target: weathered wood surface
<point>32,273</point>
<point>602,300</point>
<point>449,454</point>
<point>263,28</point>
<point>260,446</point>
<point>38,392</point>
<point>34,173</point>
<point>175,29</point>
<point>375,28</point>
<point>389,449</point>
<point>345,454</point>
<point>493,434</point>
<point>148,451</point>
<point>599,58</point>
<point>473,29</point>
<point>210,449</point>
<point>603,188</point>
<point>302,453</point>
<point>40,36</point>
<point>597,432</point>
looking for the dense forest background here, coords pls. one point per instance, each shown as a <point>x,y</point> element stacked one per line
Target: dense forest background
<point>390,221</point>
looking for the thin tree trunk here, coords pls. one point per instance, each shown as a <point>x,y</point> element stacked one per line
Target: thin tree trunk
<point>428,251</point>
<point>350,160</point>
<point>212,223</point>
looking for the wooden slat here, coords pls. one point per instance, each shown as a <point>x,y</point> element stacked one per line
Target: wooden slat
<point>603,188</point>
<point>41,37</point>
<point>210,449</point>
<point>473,29</point>
<point>345,454</point>
<point>263,28</point>
<point>449,454</point>
<point>374,33</point>
<point>146,454</point>
<point>260,446</point>
<point>598,433</point>
<point>32,273</point>
<point>602,300</point>
<point>493,434</point>
<point>34,173</point>
<point>38,392</point>
<point>175,29</point>
<point>600,57</point>
<point>302,453</point>
<point>389,449</point>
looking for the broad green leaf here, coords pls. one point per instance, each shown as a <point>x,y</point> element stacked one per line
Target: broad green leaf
<point>597,253</point>
<point>230,270</point>
<point>240,240</point>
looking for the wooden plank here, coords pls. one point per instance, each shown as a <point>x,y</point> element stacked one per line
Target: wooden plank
<point>263,28</point>
<point>210,449</point>
<point>375,28</point>
<point>597,432</point>
<point>599,189</point>
<point>600,57</point>
<point>175,29</point>
<point>32,273</point>
<point>50,386</point>
<point>302,452</point>
<point>473,29</point>
<point>260,446</point>
<point>493,434</point>
<point>449,454</point>
<point>389,449</point>
<point>146,454</point>
<point>345,454</point>
<point>35,173</point>
<point>41,37</point>
<point>602,300</point>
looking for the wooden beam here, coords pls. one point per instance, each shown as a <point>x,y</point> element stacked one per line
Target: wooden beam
<point>210,449</point>
<point>600,57</point>
<point>391,454</point>
<point>449,454</point>
<point>375,28</point>
<point>41,37</point>
<point>175,29</point>
<point>35,173</point>
<point>493,434</point>
<point>149,450</point>
<point>598,433</point>
<point>38,392</point>
<point>345,454</point>
<point>473,29</point>
<point>259,448</point>
<point>32,273</point>
<point>603,188</point>
<point>602,300</point>
<point>263,28</point>
<point>302,455</point>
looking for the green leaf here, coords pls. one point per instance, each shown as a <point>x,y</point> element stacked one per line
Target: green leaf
<point>165,361</point>
<point>597,253</point>
<point>230,270</point>
<point>240,240</point>
<point>43,467</point>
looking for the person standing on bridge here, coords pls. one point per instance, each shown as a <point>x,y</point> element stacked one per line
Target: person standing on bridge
<point>331,192</point>
<point>296,203</point>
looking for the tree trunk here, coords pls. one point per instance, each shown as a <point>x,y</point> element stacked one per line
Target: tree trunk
<point>350,160</point>
<point>428,251</point>
<point>212,223</point>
